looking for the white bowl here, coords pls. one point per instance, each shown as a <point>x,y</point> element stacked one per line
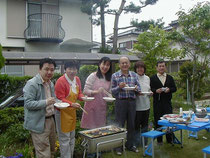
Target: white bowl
<point>109,99</point>
<point>146,93</point>
<point>61,105</point>
<point>88,98</point>
<point>129,88</point>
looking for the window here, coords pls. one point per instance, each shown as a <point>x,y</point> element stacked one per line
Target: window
<point>122,45</point>
<point>127,45</point>
<point>43,6</point>
<point>16,18</point>
<point>13,70</point>
<point>174,67</point>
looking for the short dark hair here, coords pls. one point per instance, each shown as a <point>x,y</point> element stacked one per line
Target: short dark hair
<point>160,62</point>
<point>140,64</point>
<point>71,64</point>
<point>46,60</point>
<point>109,72</point>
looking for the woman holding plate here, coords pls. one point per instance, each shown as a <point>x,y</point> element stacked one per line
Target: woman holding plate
<point>142,101</point>
<point>97,84</point>
<point>68,90</point>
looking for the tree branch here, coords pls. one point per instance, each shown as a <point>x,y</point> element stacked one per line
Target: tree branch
<point>122,28</point>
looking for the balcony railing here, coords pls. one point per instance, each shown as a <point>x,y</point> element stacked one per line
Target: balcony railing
<point>44,27</point>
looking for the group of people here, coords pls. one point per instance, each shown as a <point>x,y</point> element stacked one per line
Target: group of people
<point>132,107</point>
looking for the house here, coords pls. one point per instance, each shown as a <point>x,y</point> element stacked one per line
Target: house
<point>128,38</point>
<point>38,26</point>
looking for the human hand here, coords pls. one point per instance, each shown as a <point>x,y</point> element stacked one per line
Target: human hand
<point>122,85</point>
<point>151,93</point>
<point>140,93</point>
<point>159,90</point>
<point>50,101</point>
<point>167,90</point>
<point>75,105</point>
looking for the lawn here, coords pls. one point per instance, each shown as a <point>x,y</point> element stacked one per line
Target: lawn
<point>192,148</point>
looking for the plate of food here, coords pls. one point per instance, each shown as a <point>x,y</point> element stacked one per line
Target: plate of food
<point>129,88</point>
<point>86,98</point>
<point>109,99</point>
<point>178,120</point>
<point>170,116</point>
<point>61,105</point>
<point>201,119</point>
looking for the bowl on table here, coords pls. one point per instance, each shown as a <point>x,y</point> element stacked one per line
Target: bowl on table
<point>200,112</point>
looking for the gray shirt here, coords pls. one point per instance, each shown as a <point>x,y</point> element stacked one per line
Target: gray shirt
<point>142,101</point>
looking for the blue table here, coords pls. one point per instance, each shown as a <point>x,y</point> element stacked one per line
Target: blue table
<point>194,126</point>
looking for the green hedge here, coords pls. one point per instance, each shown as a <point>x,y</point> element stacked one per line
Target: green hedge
<point>9,84</point>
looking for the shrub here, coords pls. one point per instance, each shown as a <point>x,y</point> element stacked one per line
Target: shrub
<point>85,71</point>
<point>9,117</point>
<point>9,84</point>
<point>186,72</point>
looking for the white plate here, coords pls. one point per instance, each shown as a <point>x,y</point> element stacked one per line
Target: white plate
<point>187,112</point>
<point>129,88</point>
<point>109,99</point>
<point>148,93</point>
<point>88,98</point>
<point>61,105</point>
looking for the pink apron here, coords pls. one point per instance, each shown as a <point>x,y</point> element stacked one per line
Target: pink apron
<point>96,109</point>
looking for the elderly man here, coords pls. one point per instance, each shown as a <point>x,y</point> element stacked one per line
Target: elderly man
<point>162,85</point>
<point>39,109</point>
<point>125,105</point>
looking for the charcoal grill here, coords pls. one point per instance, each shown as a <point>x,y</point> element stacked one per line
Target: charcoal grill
<point>102,139</point>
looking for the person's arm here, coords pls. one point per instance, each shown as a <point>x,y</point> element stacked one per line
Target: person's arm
<point>80,89</point>
<point>138,89</point>
<point>60,89</point>
<point>114,86</point>
<point>153,88</point>
<point>88,89</point>
<point>172,87</point>
<point>30,97</point>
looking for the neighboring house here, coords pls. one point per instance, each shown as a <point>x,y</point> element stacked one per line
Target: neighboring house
<point>127,39</point>
<point>32,26</point>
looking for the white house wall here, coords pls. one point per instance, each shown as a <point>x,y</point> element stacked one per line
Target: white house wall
<point>7,42</point>
<point>125,39</point>
<point>75,23</point>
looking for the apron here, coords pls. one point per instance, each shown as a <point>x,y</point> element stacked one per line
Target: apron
<point>68,115</point>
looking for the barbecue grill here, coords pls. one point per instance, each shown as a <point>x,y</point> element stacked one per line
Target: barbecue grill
<point>102,139</point>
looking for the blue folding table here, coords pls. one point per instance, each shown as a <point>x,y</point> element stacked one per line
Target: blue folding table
<point>194,126</point>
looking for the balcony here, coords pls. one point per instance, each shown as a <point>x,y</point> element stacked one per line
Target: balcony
<point>44,27</point>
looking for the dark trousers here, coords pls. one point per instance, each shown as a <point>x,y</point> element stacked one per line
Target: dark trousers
<point>141,125</point>
<point>125,111</point>
<point>159,111</point>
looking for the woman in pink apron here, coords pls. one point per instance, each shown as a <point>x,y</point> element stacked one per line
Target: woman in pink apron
<point>96,84</point>
<point>67,89</point>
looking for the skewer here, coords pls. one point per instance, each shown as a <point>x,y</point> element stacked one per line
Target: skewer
<point>107,93</point>
<point>83,110</point>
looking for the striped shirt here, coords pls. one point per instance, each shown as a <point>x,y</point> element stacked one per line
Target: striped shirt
<point>131,80</point>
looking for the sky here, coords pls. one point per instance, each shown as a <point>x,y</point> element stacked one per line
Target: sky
<point>165,9</point>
